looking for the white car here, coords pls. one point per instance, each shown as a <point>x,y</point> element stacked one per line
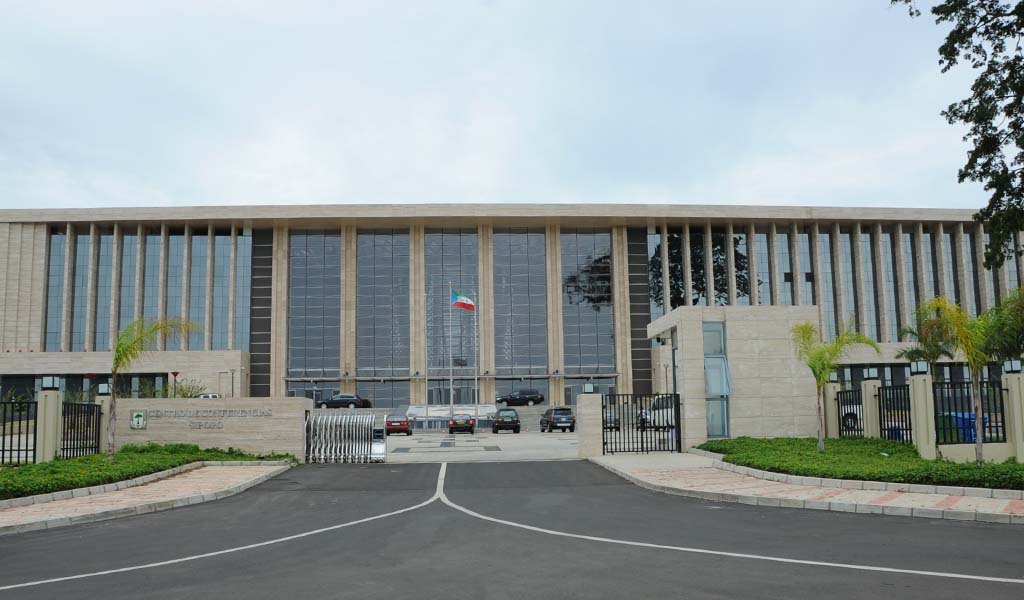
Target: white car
<point>660,415</point>
<point>210,395</point>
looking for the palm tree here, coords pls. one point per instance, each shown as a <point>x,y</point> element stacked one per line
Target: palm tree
<point>931,340</point>
<point>971,336</point>
<point>822,358</point>
<point>132,344</point>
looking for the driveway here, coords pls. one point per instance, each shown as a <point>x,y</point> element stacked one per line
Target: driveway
<point>482,446</point>
<point>551,529</point>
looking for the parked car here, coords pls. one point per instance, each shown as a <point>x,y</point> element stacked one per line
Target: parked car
<point>210,395</point>
<point>611,420</point>
<point>398,423</point>
<point>506,418</point>
<point>462,422</point>
<point>344,401</point>
<point>524,397</point>
<point>660,415</point>
<point>558,418</point>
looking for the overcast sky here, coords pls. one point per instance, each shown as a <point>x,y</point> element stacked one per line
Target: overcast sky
<point>745,102</point>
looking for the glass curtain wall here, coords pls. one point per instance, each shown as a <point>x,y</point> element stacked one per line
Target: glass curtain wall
<point>80,291</point>
<point>764,270</point>
<point>785,267</point>
<point>175,283</point>
<point>931,282</point>
<point>972,287</point>
<point>129,264</point>
<point>806,266</point>
<point>384,394</point>
<point>55,289</point>
<point>587,324</point>
<point>382,314</point>
<point>654,277</point>
<point>676,279</point>
<point>719,267</point>
<point>221,288</point>
<point>741,259</point>
<point>243,289</point>
<point>314,306</point>
<point>698,294</point>
<point>951,272</point>
<point>520,303</point>
<point>197,289</point>
<point>912,286</point>
<point>869,316</point>
<point>892,300</point>
<point>451,255</point>
<point>850,298</point>
<point>104,280</point>
<point>828,287</point>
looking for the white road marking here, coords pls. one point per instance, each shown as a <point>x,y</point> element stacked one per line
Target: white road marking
<point>795,561</point>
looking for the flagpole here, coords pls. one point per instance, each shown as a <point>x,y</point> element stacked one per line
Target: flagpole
<point>476,372</point>
<point>451,361</point>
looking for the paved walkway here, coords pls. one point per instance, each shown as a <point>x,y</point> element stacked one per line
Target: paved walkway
<point>694,476</point>
<point>191,487</point>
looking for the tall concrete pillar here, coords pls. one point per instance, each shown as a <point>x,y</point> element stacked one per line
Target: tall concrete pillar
<point>985,291</point>
<point>115,289</point>
<point>68,291</point>
<point>730,261</point>
<point>186,283</point>
<point>417,317</point>
<point>232,282</point>
<point>279,314</point>
<point>939,246</point>
<point>922,415</point>
<point>556,341</point>
<point>620,310</point>
<point>161,303</point>
<point>794,264</point>
<point>48,426</point>
<point>752,278</point>
<point>485,313</point>
<point>881,290</point>
<point>869,407</point>
<point>773,265</point>
<point>902,285</point>
<point>709,266</point>
<point>839,279</point>
<point>831,409</point>
<point>1014,408</point>
<point>349,299</point>
<point>688,267</point>
<point>211,249</point>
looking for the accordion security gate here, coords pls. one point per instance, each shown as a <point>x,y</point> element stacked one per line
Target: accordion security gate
<point>340,438</point>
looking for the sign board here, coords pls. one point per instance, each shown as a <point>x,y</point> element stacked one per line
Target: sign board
<point>138,420</point>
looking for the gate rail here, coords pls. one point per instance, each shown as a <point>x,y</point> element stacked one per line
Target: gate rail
<point>640,423</point>
<point>18,432</point>
<point>850,413</point>
<point>894,416</point>
<point>80,431</point>
<point>954,412</point>
<point>333,436</point>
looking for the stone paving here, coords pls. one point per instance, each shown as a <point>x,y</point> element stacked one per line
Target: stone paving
<point>190,487</point>
<point>696,476</point>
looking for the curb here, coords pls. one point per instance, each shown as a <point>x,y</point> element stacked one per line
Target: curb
<point>148,507</point>
<point>847,507</point>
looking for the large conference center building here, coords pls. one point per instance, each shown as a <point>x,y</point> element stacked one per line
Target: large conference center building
<point>304,300</point>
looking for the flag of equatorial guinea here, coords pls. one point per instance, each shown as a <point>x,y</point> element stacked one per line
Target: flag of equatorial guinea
<point>460,300</point>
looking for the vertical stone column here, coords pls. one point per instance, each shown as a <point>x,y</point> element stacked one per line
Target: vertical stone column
<point>1013,405</point>
<point>68,292</point>
<point>922,415</point>
<point>556,342</point>
<point>794,264</point>
<point>417,317</point>
<point>232,282</point>
<point>881,290</point>
<point>939,247</point>
<point>984,291</point>
<point>48,426</point>
<point>831,409</point>
<point>90,309</point>
<point>869,398</point>
<point>161,302</point>
<point>211,249</point>
<point>688,267</point>
<point>115,289</point>
<point>140,270</point>
<point>186,283</point>
<point>858,280</point>
<point>919,265</point>
<point>709,266</point>
<point>666,276</point>
<point>485,315</point>
<point>902,285</point>
<point>279,312</point>
<point>773,265</point>
<point>730,260</point>
<point>752,278</point>
<point>620,308</point>
<point>839,280</point>
<point>349,299</point>
<point>589,425</point>
<point>105,423</point>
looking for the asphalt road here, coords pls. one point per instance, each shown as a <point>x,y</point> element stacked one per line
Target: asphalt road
<point>487,532</point>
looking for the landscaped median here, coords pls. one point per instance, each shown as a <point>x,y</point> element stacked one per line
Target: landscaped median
<point>863,459</point>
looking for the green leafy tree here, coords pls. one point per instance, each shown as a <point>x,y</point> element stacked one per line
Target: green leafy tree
<point>931,340</point>
<point>1006,333</point>
<point>986,34</point>
<point>822,358</point>
<point>971,337</point>
<point>133,343</point>
<point>719,260</point>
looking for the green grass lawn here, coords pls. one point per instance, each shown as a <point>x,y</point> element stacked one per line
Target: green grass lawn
<point>129,462</point>
<point>865,459</point>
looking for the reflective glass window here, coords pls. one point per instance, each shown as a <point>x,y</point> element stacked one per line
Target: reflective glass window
<point>129,264</point>
<point>197,289</point>
<point>654,277</point>
<point>951,272</point>
<point>850,299</point>
<point>587,301</point>
<point>314,303</point>
<point>382,303</point>
<point>931,272</point>
<point>520,302</point>
<point>384,394</point>
<point>720,266</point>
<point>676,279</point>
<point>828,286</point>
<point>80,291</point>
<point>972,289</point>
<point>151,276</point>
<point>243,289</point>
<point>912,286</point>
<point>764,270</point>
<point>889,280</point>
<point>869,316</point>
<point>741,259</point>
<point>55,289</point>
<point>699,282</point>
<point>175,284</point>
<point>221,288</point>
<point>803,242</point>
<point>451,257</point>
<point>104,280</point>
<point>785,267</point>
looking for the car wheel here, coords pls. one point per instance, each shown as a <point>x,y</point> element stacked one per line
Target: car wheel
<point>494,430</point>
<point>351,404</point>
<point>516,430</point>
<point>322,405</point>
<point>572,429</point>
<point>529,403</point>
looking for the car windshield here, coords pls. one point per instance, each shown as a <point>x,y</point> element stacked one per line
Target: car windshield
<point>396,417</point>
<point>507,413</point>
<point>563,412</point>
<point>463,416</point>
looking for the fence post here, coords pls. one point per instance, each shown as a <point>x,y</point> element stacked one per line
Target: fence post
<point>869,407</point>
<point>589,425</point>
<point>831,409</point>
<point>104,402</point>
<point>922,415</point>
<point>1013,405</point>
<point>48,426</point>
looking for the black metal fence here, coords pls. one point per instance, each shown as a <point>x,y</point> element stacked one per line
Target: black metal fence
<point>894,418</point>
<point>954,412</point>
<point>851,413</point>
<point>80,434</point>
<point>18,432</point>
<point>640,423</point>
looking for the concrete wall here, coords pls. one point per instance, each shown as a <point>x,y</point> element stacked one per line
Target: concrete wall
<point>23,248</point>
<point>257,425</point>
<point>773,393</point>
<point>212,369</point>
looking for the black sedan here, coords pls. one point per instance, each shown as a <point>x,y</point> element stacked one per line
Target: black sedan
<point>506,418</point>
<point>524,397</point>
<point>462,422</point>
<point>344,401</point>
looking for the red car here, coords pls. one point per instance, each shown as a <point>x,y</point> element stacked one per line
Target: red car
<point>398,423</point>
